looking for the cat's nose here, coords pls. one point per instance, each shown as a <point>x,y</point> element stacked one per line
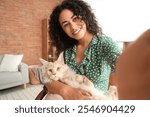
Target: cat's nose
<point>53,73</point>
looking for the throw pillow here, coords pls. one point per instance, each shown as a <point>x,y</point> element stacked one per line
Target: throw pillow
<point>10,62</point>
<point>32,77</point>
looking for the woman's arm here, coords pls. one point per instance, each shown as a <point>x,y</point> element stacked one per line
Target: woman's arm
<point>67,92</point>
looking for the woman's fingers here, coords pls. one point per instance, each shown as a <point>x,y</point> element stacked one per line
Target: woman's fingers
<point>85,93</point>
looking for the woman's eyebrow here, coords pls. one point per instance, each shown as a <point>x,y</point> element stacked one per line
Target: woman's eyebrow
<point>64,22</point>
<point>73,16</point>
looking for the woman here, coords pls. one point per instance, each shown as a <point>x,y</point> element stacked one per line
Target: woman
<point>86,50</point>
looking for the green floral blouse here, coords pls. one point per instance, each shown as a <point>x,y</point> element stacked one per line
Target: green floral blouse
<point>99,61</point>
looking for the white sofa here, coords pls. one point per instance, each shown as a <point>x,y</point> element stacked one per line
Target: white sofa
<point>14,78</point>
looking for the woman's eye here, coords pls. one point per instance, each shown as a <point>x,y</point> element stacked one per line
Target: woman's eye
<point>65,25</point>
<point>76,19</point>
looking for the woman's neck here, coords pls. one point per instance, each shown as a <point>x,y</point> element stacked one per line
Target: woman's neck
<point>82,46</point>
<point>84,42</point>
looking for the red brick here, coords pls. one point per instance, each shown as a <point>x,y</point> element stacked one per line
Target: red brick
<point>21,27</point>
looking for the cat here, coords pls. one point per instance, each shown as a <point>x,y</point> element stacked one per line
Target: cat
<point>53,71</point>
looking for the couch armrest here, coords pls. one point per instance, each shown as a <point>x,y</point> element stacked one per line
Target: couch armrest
<point>23,68</point>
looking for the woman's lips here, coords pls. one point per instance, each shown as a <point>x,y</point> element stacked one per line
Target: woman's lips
<point>77,31</point>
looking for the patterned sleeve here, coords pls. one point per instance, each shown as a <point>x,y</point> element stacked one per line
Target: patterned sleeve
<point>112,51</point>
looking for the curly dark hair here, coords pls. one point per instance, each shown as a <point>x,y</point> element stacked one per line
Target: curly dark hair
<point>79,8</point>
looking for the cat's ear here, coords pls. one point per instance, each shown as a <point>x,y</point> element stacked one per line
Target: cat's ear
<point>44,62</point>
<point>61,58</point>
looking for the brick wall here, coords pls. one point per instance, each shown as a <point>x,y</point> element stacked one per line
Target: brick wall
<point>21,27</point>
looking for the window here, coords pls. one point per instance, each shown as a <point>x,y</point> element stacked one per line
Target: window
<point>123,20</point>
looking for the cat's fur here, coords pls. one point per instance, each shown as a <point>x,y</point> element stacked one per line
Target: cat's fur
<point>53,71</point>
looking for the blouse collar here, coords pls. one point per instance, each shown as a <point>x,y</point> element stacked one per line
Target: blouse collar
<point>87,51</point>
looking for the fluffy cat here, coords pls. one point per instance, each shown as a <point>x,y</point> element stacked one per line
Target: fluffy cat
<point>53,71</point>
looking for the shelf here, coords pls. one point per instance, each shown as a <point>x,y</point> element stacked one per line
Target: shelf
<point>48,47</point>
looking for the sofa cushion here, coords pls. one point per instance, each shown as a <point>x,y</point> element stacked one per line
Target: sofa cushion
<point>10,62</point>
<point>10,77</point>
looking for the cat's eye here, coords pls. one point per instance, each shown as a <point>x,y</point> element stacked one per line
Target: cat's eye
<point>58,68</point>
<point>50,70</point>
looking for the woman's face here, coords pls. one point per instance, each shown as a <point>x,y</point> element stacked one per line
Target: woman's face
<point>72,25</point>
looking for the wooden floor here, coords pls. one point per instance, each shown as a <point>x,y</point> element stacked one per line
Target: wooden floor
<point>18,93</point>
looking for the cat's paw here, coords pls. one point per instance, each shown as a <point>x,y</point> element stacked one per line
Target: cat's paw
<point>87,82</point>
<point>113,92</point>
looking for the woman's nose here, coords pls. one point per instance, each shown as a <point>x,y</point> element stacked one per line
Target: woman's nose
<point>73,26</point>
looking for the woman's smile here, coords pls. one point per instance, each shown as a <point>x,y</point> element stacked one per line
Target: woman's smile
<point>76,31</point>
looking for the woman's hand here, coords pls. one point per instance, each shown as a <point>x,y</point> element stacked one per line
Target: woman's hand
<point>70,93</point>
<point>67,92</point>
